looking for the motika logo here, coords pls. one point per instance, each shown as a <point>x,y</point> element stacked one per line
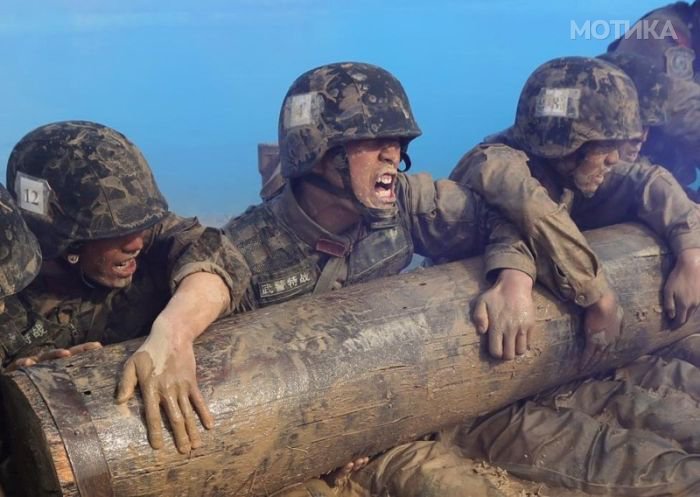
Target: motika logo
<point>601,29</point>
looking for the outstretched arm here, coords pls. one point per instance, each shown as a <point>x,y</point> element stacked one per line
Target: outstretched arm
<point>164,366</point>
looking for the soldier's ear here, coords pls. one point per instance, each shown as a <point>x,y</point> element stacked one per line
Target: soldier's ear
<point>73,258</point>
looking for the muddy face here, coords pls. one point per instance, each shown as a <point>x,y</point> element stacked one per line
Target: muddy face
<point>629,149</point>
<point>373,168</point>
<point>112,262</point>
<point>595,162</point>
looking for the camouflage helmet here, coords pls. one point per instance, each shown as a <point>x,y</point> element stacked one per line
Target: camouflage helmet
<point>20,257</point>
<point>338,103</point>
<point>569,101</point>
<point>652,83</point>
<point>78,181</point>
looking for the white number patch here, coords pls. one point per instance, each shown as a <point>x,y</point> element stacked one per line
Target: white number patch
<point>558,102</point>
<point>32,194</point>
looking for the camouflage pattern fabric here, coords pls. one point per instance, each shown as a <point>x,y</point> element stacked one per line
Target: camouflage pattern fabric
<point>673,27</point>
<point>98,185</point>
<point>652,83</point>
<point>77,313</point>
<point>337,103</point>
<point>673,51</point>
<point>551,214</point>
<point>25,333</point>
<point>20,257</point>
<point>286,251</point>
<point>569,101</point>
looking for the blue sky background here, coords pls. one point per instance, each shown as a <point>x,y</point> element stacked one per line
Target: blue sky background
<point>197,85</point>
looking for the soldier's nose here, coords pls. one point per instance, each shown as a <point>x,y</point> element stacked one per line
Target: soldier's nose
<point>133,243</point>
<point>612,158</point>
<point>391,152</point>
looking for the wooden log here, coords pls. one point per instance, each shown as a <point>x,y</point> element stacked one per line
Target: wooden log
<point>301,388</point>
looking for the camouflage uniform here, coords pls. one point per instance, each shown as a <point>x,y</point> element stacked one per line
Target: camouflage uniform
<point>518,178</point>
<point>572,442</point>
<point>89,182</point>
<point>20,259</point>
<point>290,255</point>
<point>668,37</point>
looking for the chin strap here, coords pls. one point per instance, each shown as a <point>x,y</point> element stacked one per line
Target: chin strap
<point>376,219</point>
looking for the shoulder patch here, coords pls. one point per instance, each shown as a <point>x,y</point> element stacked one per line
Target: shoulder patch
<point>679,62</point>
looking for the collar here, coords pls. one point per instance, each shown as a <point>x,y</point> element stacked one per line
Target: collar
<point>286,208</point>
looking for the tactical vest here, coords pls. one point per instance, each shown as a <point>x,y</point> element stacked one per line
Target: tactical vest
<point>285,267</point>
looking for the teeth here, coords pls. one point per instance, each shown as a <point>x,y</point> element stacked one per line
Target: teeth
<point>385,179</point>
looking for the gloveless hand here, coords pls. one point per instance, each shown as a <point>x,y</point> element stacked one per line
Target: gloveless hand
<point>682,288</point>
<point>53,354</point>
<point>506,312</point>
<point>164,368</point>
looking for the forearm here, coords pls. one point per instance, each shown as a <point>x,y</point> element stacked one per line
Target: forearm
<point>199,299</point>
<point>566,263</point>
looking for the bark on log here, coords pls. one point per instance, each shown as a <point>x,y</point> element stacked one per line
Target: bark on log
<point>301,388</point>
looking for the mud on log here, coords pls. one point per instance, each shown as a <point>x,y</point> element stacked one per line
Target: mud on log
<point>301,388</point>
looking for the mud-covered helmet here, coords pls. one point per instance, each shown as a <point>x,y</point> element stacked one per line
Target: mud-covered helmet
<point>77,181</point>
<point>337,103</point>
<point>652,83</point>
<point>569,101</point>
<point>20,258</point>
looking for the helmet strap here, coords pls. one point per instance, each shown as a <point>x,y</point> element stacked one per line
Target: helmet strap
<point>376,219</point>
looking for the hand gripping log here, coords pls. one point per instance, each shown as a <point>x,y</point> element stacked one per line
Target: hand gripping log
<point>303,387</point>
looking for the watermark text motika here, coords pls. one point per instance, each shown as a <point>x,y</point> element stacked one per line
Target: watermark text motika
<point>602,29</point>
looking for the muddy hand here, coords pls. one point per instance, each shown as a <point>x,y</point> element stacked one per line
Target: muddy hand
<point>682,288</point>
<point>339,476</point>
<point>602,326</point>
<point>506,312</point>
<point>53,354</point>
<point>164,368</point>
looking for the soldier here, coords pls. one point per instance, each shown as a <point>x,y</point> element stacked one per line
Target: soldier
<point>118,265</point>
<point>569,111</point>
<point>20,259</point>
<point>669,38</point>
<point>556,171</point>
<point>652,89</point>
<point>347,214</point>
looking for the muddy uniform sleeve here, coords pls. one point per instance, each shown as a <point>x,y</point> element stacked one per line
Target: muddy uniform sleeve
<point>187,247</point>
<point>566,264</point>
<point>450,221</point>
<point>650,194</point>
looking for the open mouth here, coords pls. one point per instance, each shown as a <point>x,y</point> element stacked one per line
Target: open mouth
<point>126,267</point>
<point>385,187</point>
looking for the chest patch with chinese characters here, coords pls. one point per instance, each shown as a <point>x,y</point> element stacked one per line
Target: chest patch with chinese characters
<point>679,62</point>
<point>282,286</point>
